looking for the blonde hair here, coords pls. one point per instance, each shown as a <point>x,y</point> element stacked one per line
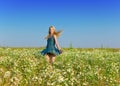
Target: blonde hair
<point>56,33</point>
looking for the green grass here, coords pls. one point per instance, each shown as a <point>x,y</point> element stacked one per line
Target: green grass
<point>75,67</point>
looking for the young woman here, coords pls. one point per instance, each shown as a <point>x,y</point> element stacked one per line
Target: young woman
<point>52,49</point>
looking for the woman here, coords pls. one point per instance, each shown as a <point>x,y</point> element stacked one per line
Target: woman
<point>52,49</point>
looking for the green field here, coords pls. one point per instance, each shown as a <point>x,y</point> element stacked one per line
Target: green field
<point>75,67</point>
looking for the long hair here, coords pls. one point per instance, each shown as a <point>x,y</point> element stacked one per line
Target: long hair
<point>57,33</point>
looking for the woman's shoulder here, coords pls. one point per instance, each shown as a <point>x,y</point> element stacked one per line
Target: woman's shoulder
<point>55,36</point>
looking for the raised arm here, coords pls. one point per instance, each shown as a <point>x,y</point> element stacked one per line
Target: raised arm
<point>56,42</point>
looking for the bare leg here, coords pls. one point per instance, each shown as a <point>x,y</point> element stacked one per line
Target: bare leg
<point>47,58</point>
<point>52,58</point>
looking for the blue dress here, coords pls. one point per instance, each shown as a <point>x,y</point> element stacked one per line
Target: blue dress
<point>50,48</point>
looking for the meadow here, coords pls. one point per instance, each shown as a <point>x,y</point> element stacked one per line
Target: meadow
<point>74,67</point>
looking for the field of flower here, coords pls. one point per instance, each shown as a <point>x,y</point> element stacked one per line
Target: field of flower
<point>75,67</point>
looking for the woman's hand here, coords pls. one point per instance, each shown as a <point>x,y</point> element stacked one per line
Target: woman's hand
<point>60,51</point>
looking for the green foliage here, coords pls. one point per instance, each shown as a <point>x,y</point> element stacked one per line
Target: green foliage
<point>75,67</point>
<point>71,46</point>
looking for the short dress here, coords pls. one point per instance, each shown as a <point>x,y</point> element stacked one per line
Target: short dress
<point>50,48</point>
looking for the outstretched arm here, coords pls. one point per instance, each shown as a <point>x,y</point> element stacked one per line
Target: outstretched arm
<point>56,42</point>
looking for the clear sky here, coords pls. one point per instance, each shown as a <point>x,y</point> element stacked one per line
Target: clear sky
<point>85,23</point>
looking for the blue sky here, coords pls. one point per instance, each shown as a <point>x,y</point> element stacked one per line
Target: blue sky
<point>85,23</point>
